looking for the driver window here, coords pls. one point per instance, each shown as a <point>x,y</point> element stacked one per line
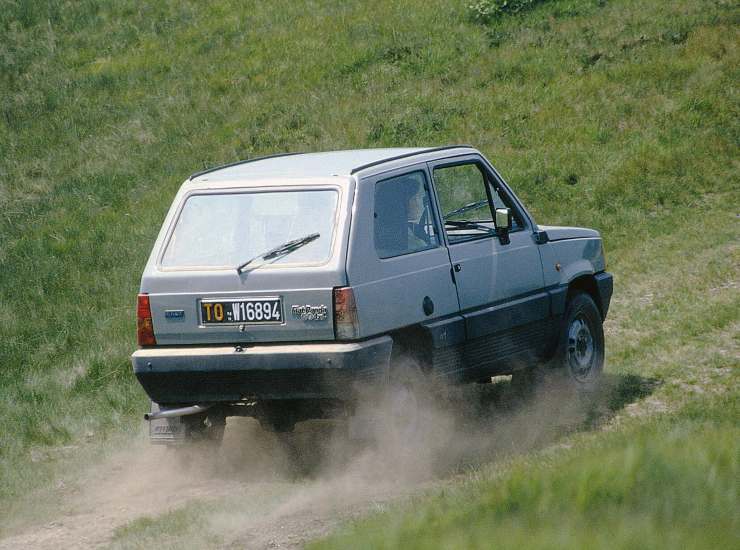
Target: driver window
<point>463,200</point>
<point>403,216</point>
<point>463,192</point>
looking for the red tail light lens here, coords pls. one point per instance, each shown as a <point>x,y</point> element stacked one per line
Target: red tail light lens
<point>144,325</point>
<point>346,325</point>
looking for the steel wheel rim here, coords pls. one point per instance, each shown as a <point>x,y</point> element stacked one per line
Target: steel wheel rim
<point>581,348</point>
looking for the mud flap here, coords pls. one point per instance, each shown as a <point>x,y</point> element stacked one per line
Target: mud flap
<point>166,430</point>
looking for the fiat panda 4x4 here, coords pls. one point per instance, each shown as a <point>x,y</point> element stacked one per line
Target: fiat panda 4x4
<point>278,286</point>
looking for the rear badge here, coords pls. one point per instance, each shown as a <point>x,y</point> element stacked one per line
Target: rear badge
<point>310,313</point>
<point>174,314</point>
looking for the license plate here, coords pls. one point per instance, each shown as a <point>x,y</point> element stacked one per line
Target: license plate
<point>251,311</point>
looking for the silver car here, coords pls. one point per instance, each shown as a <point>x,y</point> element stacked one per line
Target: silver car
<point>279,286</point>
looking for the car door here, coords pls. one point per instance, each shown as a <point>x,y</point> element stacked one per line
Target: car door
<point>397,264</point>
<point>499,282</point>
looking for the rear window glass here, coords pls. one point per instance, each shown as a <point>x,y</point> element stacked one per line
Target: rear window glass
<point>226,230</point>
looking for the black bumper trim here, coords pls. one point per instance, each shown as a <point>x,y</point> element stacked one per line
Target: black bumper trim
<point>223,375</point>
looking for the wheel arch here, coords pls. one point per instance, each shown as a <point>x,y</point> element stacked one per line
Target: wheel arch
<point>586,284</point>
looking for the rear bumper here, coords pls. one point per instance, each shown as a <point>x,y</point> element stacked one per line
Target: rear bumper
<point>222,374</point>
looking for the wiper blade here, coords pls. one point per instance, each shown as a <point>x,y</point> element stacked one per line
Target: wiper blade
<point>466,208</point>
<point>469,225</point>
<point>279,251</point>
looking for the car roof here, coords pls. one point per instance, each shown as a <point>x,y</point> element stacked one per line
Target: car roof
<point>320,164</point>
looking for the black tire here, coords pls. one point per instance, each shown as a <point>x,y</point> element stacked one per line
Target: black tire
<point>578,360</point>
<point>579,356</point>
<point>205,427</point>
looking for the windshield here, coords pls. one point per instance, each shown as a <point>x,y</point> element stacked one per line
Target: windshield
<point>225,230</point>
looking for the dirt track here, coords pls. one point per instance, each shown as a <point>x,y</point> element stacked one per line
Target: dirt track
<point>286,509</point>
<point>255,495</point>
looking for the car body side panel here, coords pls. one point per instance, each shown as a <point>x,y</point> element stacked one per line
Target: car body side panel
<point>577,252</point>
<point>501,293</point>
<point>575,257</point>
<point>390,292</point>
<point>508,315</point>
<point>491,272</point>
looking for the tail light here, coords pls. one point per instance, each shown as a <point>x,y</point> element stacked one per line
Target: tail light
<point>346,325</point>
<point>144,325</point>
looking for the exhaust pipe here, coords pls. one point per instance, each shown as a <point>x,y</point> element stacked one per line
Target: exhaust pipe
<point>174,413</point>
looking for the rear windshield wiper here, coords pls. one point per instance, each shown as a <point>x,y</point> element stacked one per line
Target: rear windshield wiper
<point>466,208</point>
<point>279,251</point>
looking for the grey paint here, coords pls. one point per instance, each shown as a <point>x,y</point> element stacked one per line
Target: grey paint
<point>555,233</point>
<point>490,272</point>
<point>306,165</point>
<point>569,258</point>
<point>496,303</point>
<point>390,292</point>
<point>296,285</point>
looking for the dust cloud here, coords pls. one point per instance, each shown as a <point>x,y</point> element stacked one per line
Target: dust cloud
<point>262,489</point>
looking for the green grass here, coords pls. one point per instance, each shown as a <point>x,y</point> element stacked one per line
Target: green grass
<point>668,483</point>
<point>182,527</point>
<point>618,115</point>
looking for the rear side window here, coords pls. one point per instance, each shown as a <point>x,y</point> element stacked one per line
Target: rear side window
<point>219,230</point>
<point>403,220</point>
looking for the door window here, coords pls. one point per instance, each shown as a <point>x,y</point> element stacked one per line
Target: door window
<point>465,197</point>
<point>403,216</point>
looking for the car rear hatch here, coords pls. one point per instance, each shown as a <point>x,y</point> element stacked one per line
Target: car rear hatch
<point>196,294</point>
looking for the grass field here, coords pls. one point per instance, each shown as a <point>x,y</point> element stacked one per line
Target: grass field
<point>620,115</point>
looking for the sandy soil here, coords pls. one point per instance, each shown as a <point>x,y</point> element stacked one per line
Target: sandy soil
<point>271,492</point>
<point>288,509</point>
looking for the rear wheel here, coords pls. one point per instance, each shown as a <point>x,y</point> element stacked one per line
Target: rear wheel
<point>205,427</point>
<point>401,409</point>
<point>409,415</point>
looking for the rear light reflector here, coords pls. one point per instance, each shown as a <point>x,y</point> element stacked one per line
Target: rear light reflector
<point>144,325</point>
<point>346,325</point>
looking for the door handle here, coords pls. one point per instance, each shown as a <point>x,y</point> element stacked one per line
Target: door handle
<point>457,268</point>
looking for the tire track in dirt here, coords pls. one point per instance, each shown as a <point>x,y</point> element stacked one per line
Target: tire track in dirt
<point>253,466</point>
<point>262,491</point>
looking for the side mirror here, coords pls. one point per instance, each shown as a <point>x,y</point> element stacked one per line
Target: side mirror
<point>503,219</point>
<point>503,224</point>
